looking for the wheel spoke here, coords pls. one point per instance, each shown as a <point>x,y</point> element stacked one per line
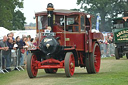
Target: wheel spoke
<point>34,65</point>
<point>69,64</point>
<point>97,58</point>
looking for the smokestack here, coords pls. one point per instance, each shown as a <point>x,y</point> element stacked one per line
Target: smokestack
<point>50,9</point>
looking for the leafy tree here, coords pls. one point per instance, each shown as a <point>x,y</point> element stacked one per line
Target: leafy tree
<point>10,15</point>
<point>106,8</point>
<point>18,20</point>
<point>6,14</point>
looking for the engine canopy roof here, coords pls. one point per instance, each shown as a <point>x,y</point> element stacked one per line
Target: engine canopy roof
<point>62,12</point>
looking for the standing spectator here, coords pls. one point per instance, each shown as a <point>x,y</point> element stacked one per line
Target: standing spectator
<point>6,53</point>
<point>28,41</point>
<point>11,47</point>
<point>29,37</point>
<point>105,46</point>
<point>101,47</point>
<point>110,46</point>
<point>10,43</point>
<point>9,35</point>
<point>35,41</point>
<point>21,45</point>
<point>18,42</point>
<point>1,48</point>
<point>12,34</point>
<point>32,39</point>
<point>29,44</point>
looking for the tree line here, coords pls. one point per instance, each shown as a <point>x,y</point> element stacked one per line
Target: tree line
<point>11,16</point>
<point>107,9</point>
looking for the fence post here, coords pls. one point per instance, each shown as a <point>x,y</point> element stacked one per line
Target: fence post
<point>1,69</point>
<point>17,60</point>
<point>19,56</point>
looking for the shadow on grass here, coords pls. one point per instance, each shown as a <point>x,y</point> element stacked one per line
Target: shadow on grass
<point>62,75</point>
<point>76,74</point>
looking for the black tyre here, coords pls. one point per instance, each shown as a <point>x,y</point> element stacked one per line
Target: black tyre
<point>87,61</point>
<point>117,56</point>
<point>93,60</point>
<point>32,68</point>
<point>46,70</point>
<point>127,55</point>
<point>69,64</point>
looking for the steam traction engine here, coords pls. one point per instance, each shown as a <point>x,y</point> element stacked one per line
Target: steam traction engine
<point>120,31</point>
<point>65,41</point>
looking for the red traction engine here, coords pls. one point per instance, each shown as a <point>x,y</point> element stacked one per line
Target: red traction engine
<point>64,41</point>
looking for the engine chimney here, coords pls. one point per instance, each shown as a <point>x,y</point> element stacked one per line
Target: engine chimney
<point>50,9</point>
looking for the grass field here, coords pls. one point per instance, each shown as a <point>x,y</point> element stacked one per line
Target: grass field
<point>112,72</point>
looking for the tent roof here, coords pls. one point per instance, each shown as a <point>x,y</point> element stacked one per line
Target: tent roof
<point>3,32</point>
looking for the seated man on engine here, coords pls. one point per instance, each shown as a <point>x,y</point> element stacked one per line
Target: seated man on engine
<point>74,27</point>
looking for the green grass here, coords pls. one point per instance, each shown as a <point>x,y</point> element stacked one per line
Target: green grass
<point>109,58</point>
<point>113,72</point>
<point>9,77</point>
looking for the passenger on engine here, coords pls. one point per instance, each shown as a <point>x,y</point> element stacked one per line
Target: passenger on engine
<point>75,22</point>
<point>49,28</point>
<point>74,27</point>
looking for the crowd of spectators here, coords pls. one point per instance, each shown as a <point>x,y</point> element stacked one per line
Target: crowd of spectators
<point>8,47</point>
<point>107,46</point>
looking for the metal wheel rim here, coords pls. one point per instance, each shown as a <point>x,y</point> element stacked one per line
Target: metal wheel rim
<point>71,64</point>
<point>34,65</point>
<point>97,58</point>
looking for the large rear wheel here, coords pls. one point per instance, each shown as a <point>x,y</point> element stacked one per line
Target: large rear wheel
<point>93,60</point>
<point>87,61</point>
<point>127,55</point>
<point>69,64</point>
<point>32,67</point>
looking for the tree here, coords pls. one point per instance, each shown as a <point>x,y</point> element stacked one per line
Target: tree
<point>18,20</point>
<point>10,15</point>
<point>106,8</point>
<point>5,14</point>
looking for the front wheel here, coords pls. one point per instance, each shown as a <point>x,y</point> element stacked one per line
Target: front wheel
<point>69,64</point>
<point>32,67</point>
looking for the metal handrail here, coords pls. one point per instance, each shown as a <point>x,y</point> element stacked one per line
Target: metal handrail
<point>1,68</point>
<point>18,60</point>
<point>17,65</point>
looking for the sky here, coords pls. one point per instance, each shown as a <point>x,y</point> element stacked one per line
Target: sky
<point>33,6</point>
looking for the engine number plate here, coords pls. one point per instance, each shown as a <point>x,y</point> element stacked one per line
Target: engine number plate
<point>49,34</point>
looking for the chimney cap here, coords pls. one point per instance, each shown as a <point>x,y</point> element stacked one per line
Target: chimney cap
<point>50,5</point>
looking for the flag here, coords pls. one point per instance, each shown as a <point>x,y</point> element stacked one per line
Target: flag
<point>97,22</point>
